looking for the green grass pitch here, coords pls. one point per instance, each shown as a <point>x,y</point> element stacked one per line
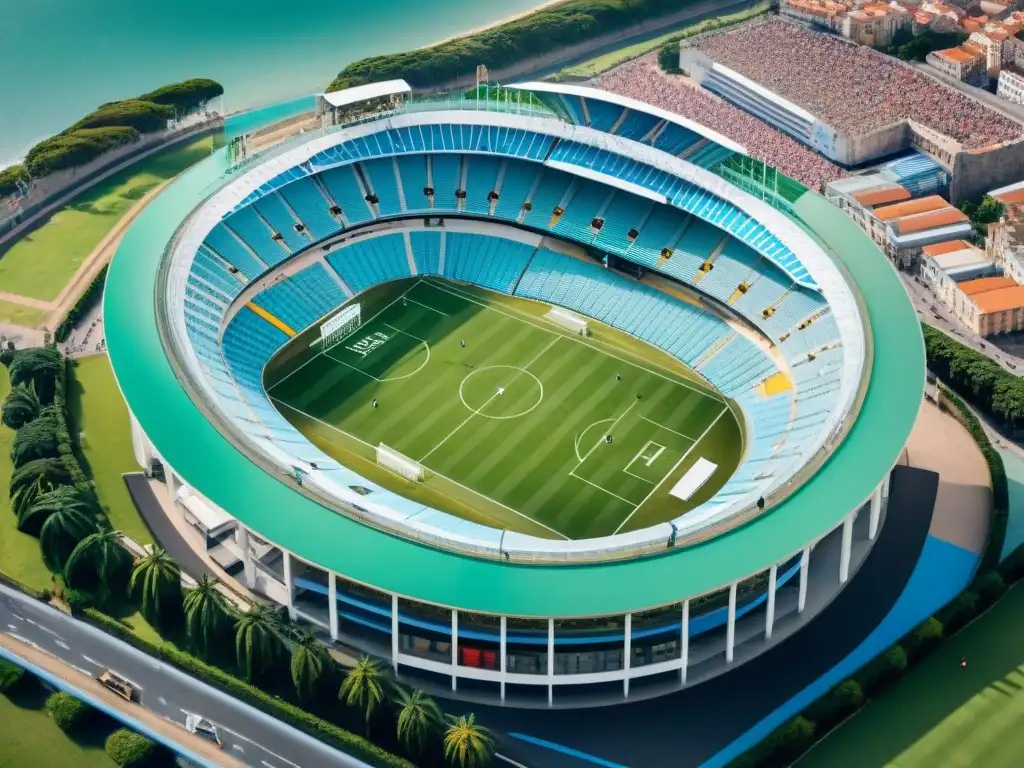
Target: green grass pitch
<point>508,414</point>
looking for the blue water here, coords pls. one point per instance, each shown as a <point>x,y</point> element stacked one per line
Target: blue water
<point>62,58</point>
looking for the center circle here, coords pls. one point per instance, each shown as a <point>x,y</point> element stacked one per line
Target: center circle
<point>501,392</point>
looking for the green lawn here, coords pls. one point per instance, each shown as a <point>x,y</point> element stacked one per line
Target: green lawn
<point>29,739</point>
<point>40,264</point>
<point>19,553</point>
<point>19,314</point>
<point>517,417</point>
<point>940,714</point>
<point>99,415</point>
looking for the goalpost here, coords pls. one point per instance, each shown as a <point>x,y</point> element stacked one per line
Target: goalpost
<point>338,327</point>
<point>397,462</point>
<point>568,320</point>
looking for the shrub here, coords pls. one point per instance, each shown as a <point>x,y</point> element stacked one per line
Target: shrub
<point>187,95</point>
<point>67,711</point>
<point>923,639</point>
<point>842,700</point>
<point>989,587</point>
<point>882,670</point>
<point>668,58</point>
<point>960,611</point>
<point>142,116</point>
<point>10,675</point>
<point>10,179</point>
<point>76,148</point>
<point>129,749</point>
<point>82,306</point>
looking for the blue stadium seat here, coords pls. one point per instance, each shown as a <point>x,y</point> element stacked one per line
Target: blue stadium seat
<point>489,261</point>
<point>412,169</point>
<point>381,175</point>
<point>275,213</point>
<point>365,263</point>
<point>445,169</point>
<point>257,234</point>
<point>426,251</point>
<point>224,243</point>
<point>311,206</point>
<point>302,298</point>
<point>481,178</point>
<point>341,183</point>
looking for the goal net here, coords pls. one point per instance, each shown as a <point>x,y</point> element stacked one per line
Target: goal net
<point>568,320</point>
<point>397,462</point>
<point>338,327</point>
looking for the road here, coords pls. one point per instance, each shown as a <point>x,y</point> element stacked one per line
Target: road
<point>931,310</point>
<point>249,735</point>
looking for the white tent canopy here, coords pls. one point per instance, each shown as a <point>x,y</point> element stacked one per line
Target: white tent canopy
<point>366,92</point>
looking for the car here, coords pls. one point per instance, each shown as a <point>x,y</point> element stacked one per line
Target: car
<point>120,685</point>
<point>202,727</point>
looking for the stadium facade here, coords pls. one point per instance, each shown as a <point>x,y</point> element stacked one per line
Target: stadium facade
<point>764,289</point>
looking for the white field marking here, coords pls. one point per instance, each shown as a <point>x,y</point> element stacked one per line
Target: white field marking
<point>388,378</point>
<point>648,460</point>
<point>579,340</point>
<point>638,455</point>
<point>347,365</point>
<point>439,474</point>
<point>601,439</point>
<point>654,458</point>
<point>425,306</point>
<point>19,618</point>
<point>581,435</point>
<point>634,474</point>
<point>674,467</point>
<point>519,372</point>
<point>600,488</point>
<point>657,424</point>
<point>501,391</point>
<point>322,351</point>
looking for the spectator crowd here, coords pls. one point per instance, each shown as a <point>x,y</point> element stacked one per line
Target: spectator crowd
<point>642,79</point>
<point>852,87</point>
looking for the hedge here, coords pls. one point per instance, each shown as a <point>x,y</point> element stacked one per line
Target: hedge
<point>326,732</point>
<point>67,711</point>
<point>187,95</point>
<point>75,148</point>
<point>129,749</point>
<point>11,177</point>
<point>85,302</point>
<point>536,34</point>
<point>10,675</point>
<point>64,443</point>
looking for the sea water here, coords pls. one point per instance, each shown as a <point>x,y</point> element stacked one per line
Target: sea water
<point>62,58</point>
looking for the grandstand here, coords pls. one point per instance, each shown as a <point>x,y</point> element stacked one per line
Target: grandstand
<point>723,335</point>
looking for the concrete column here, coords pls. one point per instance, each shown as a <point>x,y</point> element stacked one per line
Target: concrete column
<point>875,513</point>
<point>242,539</point>
<point>504,653</point>
<point>844,554</point>
<point>551,662</point>
<point>394,632</point>
<point>627,653</point>
<point>684,651</point>
<point>172,484</point>
<point>332,598</point>
<point>730,627</point>
<point>805,564</point>
<point>289,584</point>
<point>769,621</point>
<point>455,648</point>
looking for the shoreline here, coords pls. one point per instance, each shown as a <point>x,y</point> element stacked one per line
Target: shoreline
<point>497,23</point>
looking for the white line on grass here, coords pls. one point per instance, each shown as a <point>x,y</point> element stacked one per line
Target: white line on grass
<point>479,410</point>
<point>439,474</point>
<point>674,468</point>
<point>348,365</point>
<point>602,489</point>
<point>578,340</point>
<point>285,378</point>
<point>601,439</point>
<point>633,474</point>
<point>411,301</point>
<point>657,424</point>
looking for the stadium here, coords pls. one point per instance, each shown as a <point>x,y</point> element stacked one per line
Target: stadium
<point>541,395</point>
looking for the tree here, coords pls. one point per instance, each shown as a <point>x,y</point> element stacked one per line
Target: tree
<point>35,478</point>
<point>156,579</point>
<point>466,743</point>
<point>258,643</point>
<point>98,561</point>
<point>61,518</point>
<point>186,95</point>
<point>206,614</point>
<point>310,661</point>
<point>10,675</point>
<point>366,686</point>
<point>36,440</point>
<point>419,718</point>
<point>66,711</point>
<point>129,749</point>
<point>39,366</point>
<point>21,406</point>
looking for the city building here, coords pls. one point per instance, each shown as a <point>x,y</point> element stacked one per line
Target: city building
<point>945,267</point>
<point>1011,87</point>
<point>963,63</point>
<point>991,305</point>
<point>232,265</point>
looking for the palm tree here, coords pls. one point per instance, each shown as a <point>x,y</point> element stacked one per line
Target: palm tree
<point>206,613</point>
<point>35,440</point>
<point>35,478</point>
<point>466,744</point>
<point>419,718</point>
<point>258,642</point>
<point>21,406</point>
<point>366,686</point>
<point>39,366</point>
<point>158,578</point>
<point>62,518</point>
<point>98,560</point>
<point>310,660</point>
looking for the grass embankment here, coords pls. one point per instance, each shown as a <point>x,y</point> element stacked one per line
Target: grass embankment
<point>940,714</point>
<point>603,63</point>
<point>42,262</point>
<point>99,416</point>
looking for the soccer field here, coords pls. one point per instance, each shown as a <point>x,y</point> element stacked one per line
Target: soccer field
<point>518,424</point>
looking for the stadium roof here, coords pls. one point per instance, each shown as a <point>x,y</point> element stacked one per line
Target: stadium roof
<point>628,103</point>
<point>208,461</point>
<point>365,92</point>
